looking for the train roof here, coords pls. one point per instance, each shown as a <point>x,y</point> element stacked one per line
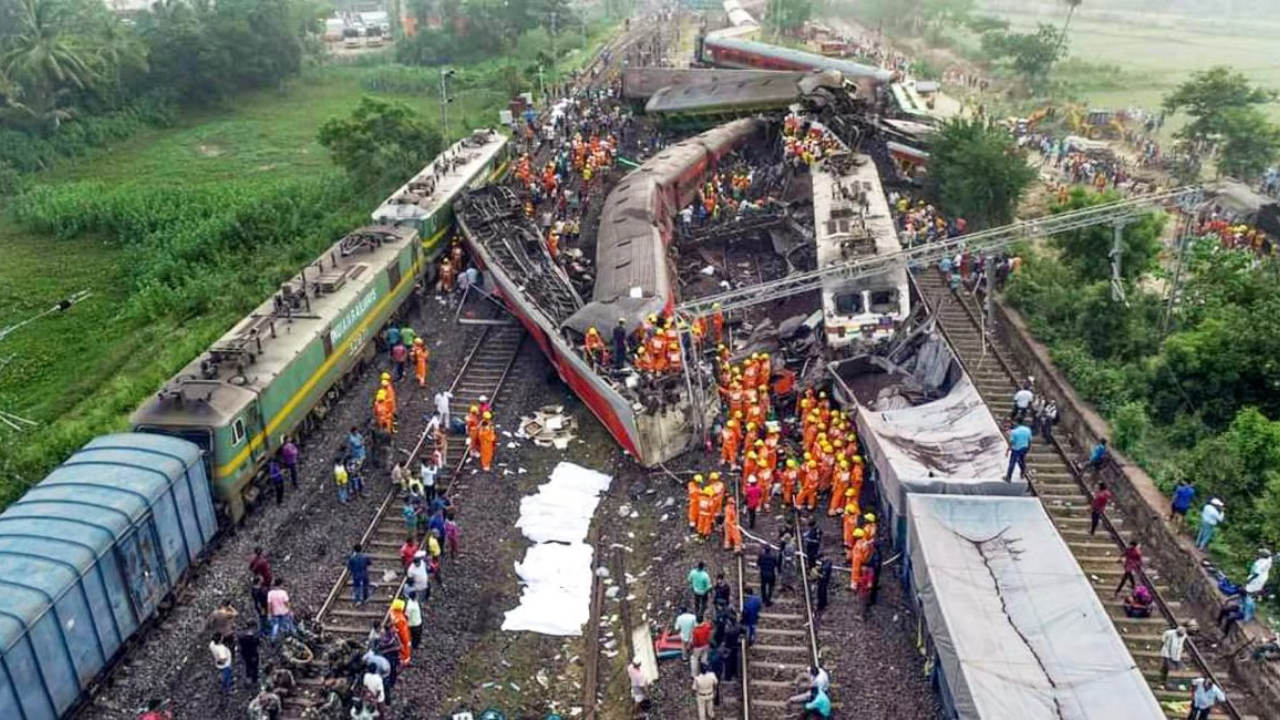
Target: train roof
<point>61,526</point>
<point>852,217</point>
<point>817,62</point>
<point>778,90</point>
<point>419,199</point>
<point>331,294</point>
<point>1018,627</point>
<point>642,83</point>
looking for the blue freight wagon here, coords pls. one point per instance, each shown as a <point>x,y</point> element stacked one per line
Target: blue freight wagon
<point>87,556</point>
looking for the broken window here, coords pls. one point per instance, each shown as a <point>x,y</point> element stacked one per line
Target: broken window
<point>884,301</point>
<point>849,304</point>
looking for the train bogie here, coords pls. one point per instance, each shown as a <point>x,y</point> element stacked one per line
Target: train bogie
<point>88,556</point>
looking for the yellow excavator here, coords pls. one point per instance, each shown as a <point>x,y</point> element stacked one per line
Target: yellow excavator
<point>1096,124</point>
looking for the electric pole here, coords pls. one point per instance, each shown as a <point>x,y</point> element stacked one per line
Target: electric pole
<point>445,74</point>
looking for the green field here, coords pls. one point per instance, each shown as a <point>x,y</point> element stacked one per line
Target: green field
<point>82,372</point>
<point>1163,50</point>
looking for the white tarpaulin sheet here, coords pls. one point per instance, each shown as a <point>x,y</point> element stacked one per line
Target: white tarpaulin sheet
<point>1018,629</point>
<point>556,572</point>
<point>951,445</point>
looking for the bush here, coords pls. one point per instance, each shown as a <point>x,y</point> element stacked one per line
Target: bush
<point>10,180</point>
<point>27,152</point>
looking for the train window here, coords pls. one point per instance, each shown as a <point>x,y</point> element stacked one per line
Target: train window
<point>884,301</point>
<point>237,431</point>
<point>849,304</point>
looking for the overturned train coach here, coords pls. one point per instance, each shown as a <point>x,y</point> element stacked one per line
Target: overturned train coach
<point>633,280</point>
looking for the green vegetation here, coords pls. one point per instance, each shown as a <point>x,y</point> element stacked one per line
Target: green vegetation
<point>978,173</point>
<point>381,139</point>
<point>1189,388</point>
<point>1030,55</point>
<point>1223,107</point>
<point>782,17</point>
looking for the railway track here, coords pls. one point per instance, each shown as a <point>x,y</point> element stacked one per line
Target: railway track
<point>483,373</point>
<point>786,637</point>
<point>1065,494</point>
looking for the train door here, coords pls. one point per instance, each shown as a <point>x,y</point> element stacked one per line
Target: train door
<point>143,568</point>
<point>254,425</point>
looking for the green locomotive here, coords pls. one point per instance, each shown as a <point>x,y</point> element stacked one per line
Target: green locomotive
<point>277,370</point>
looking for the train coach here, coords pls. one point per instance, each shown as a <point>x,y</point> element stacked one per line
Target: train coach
<point>276,372</point>
<point>746,54</point>
<point>87,558</point>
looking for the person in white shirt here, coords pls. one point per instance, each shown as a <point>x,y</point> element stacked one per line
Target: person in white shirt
<point>1171,651</point>
<point>373,684</point>
<point>413,617</point>
<point>816,679</point>
<point>1022,402</point>
<point>1259,572</point>
<point>222,661</point>
<point>637,685</point>
<point>417,572</point>
<point>442,407</point>
<point>1204,697</point>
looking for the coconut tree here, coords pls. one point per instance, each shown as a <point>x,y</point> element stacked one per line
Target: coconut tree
<point>43,56</point>
<point>1072,5</point>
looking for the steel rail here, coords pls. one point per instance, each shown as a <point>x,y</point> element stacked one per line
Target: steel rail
<point>1118,539</point>
<point>417,448</point>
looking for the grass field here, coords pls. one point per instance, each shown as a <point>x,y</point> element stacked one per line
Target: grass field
<point>1163,50</point>
<point>84,370</point>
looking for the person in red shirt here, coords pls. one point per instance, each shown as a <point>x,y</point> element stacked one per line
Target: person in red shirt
<point>1132,560</point>
<point>866,586</point>
<point>259,565</point>
<point>1098,506</point>
<point>755,498</point>
<point>700,647</point>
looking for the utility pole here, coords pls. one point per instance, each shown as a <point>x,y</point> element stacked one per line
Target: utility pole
<point>1117,249</point>
<point>445,74</point>
<point>554,57</point>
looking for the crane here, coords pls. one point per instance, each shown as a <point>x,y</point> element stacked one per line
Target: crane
<point>1114,214</point>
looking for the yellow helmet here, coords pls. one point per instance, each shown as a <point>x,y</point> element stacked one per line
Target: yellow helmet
<point>592,331</point>
<point>808,456</point>
<point>708,490</point>
<point>759,443</point>
<point>791,462</point>
<point>848,493</point>
<point>851,508</point>
<point>844,464</point>
<point>751,426</point>
<point>751,454</point>
<point>869,517</point>
<point>386,376</point>
<point>858,533</point>
<point>714,476</point>
<point>732,423</point>
<point>857,459</point>
<point>763,388</point>
<point>397,604</point>
<point>826,448</point>
<point>488,415</point>
<point>382,395</point>
<point>698,478</point>
<point>715,305</point>
<point>475,408</point>
<point>385,382</point>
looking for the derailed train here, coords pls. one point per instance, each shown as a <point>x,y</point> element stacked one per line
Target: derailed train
<point>89,555</point>
<point>633,280</point>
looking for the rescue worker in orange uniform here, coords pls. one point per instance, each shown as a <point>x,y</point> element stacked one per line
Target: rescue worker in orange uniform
<point>850,522</point>
<point>473,431</point>
<point>448,273</point>
<point>732,532</point>
<point>382,412</point>
<point>858,555</point>
<point>401,625</point>
<point>694,493</point>
<point>869,526</point>
<point>386,385</point>
<point>790,482</point>
<point>593,346</point>
<point>753,434</point>
<point>839,485</point>
<point>420,356</point>
<point>675,360</point>
<point>488,438</point>
<point>717,493</point>
<point>808,497</point>
<point>749,465</point>
<point>729,439</point>
<point>705,517</point>
<point>768,479</point>
<point>717,323</point>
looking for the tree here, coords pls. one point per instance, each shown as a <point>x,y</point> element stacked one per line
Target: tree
<point>1031,55</point>
<point>1209,96</point>
<point>938,13</point>
<point>1249,143</point>
<point>382,144</point>
<point>1088,252</point>
<point>787,16</point>
<point>978,172</point>
<point>45,59</point>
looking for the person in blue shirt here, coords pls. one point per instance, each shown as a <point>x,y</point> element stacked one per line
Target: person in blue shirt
<point>358,565</point>
<point>1098,455</point>
<point>819,705</point>
<point>751,606</point>
<point>1019,446</point>
<point>355,445</point>
<point>1183,495</point>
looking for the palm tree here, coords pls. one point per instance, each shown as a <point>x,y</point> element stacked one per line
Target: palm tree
<point>43,56</point>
